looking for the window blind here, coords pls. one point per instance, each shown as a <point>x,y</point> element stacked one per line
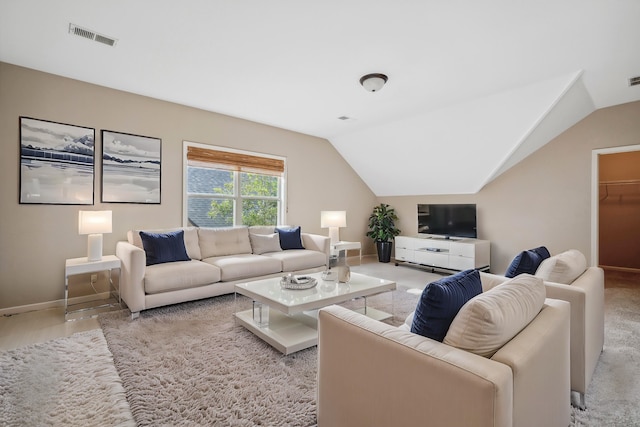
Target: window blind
<point>234,161</point>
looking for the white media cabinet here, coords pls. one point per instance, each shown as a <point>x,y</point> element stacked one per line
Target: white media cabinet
<point>448,254</point>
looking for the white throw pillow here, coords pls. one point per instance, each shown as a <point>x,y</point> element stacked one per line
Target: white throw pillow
<point>264,243</point>
<point>488,321</point>
<point>563,268</point>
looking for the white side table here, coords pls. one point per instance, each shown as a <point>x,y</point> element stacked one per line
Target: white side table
<point>342,246</point>
<point>91,305</point>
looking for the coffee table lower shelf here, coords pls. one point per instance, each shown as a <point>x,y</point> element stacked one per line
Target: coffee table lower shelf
<point>295,332</point>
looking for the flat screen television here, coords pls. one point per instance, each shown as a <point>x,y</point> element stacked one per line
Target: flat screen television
<point>447,220</point>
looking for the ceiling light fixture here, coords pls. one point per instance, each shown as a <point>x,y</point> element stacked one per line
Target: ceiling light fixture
<point>373,82</point>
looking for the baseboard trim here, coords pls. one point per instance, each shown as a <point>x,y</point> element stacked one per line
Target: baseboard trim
<point>625,269</point>
<point>10,311</point>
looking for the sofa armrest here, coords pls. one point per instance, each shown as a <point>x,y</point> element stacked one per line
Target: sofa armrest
<point>586,295</point>
<point>539,359</point>
<point>374,374</point>
<point>316,242</point>
<point>132,275</point>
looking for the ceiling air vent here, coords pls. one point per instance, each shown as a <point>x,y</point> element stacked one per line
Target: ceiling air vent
<point>633,81</point>
<point>91,35</point>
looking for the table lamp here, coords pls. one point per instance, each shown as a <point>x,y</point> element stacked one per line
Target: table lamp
<point>94,223</point>
<point>333,220</point>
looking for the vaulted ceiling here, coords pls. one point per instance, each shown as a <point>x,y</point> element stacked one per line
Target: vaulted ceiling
<point>474,86</point>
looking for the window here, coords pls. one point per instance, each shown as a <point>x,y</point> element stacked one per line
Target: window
<point>226,187</point>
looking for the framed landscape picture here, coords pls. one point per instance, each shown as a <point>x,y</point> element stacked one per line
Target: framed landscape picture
<point>56,163</point>
<point>131,168</point>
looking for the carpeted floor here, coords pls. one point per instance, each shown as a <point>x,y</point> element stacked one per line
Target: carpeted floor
<point>65,382</point>
<point>614,393</point>
<point>190,364</point>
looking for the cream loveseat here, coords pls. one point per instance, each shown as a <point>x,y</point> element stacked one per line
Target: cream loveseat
<point>567,277</point>
<point>374,374</point>
<point>219,258</point>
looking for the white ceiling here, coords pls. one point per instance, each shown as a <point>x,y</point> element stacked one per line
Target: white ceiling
<point>474,86</point>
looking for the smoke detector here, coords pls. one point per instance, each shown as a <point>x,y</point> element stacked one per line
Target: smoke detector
<point>91,35</point>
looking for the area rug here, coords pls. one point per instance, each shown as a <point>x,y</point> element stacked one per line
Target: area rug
<point>190,364</point>
<point>65,382</point>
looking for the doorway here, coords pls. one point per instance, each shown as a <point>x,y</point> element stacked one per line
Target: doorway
<point>615,215</point>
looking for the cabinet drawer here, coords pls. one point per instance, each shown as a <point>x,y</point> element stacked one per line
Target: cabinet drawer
<point>405,242</point>
<point>404,254</point>
<point>432,258</point>
<point>463,249</point>
<point>457,262</point>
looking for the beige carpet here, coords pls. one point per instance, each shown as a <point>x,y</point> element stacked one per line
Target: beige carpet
<point>613,396</point>
<point>65,382</point>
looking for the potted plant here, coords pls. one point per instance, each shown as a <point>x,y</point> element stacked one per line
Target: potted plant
<point>382,230</point>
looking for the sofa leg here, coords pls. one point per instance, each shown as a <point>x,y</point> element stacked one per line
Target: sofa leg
<point>135,315</point>
<point>580,404</point>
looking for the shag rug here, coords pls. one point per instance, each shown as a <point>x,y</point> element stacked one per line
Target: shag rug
<point>65,382</point>
<point>190,364</point>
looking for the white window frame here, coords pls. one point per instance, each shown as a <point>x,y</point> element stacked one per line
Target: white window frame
<point>236,197</point>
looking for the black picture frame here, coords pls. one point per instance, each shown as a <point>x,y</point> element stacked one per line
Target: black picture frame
<point>131,168</point>
<point>57,163</point>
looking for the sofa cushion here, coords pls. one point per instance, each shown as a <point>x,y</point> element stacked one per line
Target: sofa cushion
<point>179,275</point>
<point>224,241</point>
<point>164,247</point>
<point>527,261</point>
<point>440,302</point>
<point>290,238</point>
<point>299,259</point>
<point>262,229</point>
<point>263,243</point>
<point>190,239</point>
<point>563,268</point>
<point>490,320</point>
<point>235,267</point>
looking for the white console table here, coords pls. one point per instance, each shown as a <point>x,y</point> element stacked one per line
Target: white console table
<point>447,254</point>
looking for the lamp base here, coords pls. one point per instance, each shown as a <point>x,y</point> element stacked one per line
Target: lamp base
<point>94,247</point>
<point>334,234</point>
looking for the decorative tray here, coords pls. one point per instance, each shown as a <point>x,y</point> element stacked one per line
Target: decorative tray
<point>298,283</point>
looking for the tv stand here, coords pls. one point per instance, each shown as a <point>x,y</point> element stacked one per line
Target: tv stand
<point>443,253</point>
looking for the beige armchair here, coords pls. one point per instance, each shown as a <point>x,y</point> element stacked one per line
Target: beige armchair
<point>583,287</point>
<point>373,374</point>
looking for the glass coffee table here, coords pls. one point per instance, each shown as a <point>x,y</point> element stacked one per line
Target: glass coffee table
<point>287,319</point>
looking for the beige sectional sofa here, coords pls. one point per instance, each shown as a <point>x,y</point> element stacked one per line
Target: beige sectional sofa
<point>567,277</point>
<point>374,374</point>
<point>219,258</point>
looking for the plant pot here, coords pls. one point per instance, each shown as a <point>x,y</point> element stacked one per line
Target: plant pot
<point>384,251</point>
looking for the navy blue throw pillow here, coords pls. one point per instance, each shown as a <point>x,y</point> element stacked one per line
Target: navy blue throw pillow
<point>164,247</point>
<point>527,261</point>
<point>440,302</point>
<point>290,238</point>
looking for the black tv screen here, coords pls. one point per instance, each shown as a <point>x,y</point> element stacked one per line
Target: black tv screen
<point>448,220</point>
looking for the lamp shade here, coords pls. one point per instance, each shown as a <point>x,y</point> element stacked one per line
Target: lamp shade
<point>333,219</point>
<point>94,222</point>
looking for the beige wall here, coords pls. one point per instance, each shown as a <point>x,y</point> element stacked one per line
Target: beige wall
<point>36,239</point>
<point>546,198</point>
